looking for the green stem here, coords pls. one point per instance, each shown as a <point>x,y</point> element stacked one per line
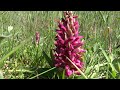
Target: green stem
<point>43,73</point>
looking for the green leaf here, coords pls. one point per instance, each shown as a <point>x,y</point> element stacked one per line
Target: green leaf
<point>119,66</point>
<point>95,47</point>
<point>105,54</point>
<point>116,64</point>
<point>51,54</point>
<point>93,75</point>
<point>1,75</point>
<point>111,57</point>
<point>88,69</point>
<point>114,74</point>
<point>63,75</point>
<point>50,62</point>
<point>103,16</point>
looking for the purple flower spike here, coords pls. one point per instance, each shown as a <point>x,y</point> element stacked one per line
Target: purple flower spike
<point>68,44</point>
<point>37,38</point>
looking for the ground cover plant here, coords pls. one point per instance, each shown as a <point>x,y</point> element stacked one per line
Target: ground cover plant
<point>28,49</point>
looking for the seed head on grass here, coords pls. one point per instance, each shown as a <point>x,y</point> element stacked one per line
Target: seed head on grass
<point>68,44</point>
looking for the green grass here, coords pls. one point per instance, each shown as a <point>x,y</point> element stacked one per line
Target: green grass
<point>21,59</point>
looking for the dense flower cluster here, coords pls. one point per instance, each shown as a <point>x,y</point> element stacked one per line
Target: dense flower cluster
<point>68,44</point>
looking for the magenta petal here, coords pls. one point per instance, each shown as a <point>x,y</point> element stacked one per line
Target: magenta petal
<point>82,50</point>
<point>71,47</point>
<point>68,72</point>
<point>75,16</point>
<point>76,72</point>
<point>62,27</point>
<point>75,42</point>
<point>78,50</point>
<point>70,39</point>
<point>59,31</point>
<point>61,40</point>
<point>80,37</point>
<point>78,45</point>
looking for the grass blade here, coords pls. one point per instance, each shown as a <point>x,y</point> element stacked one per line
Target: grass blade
<point>11,52</point>
<point>48,59</point>
<point>108,60</point>
<point>96,66</point>
<point>105,54</point>
<point>43,73</point>
<point>103,17</point>
<point>78,69</point>
<point>51,54</point>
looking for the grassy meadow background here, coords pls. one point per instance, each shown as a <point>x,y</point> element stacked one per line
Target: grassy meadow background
<point>21,59</point>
